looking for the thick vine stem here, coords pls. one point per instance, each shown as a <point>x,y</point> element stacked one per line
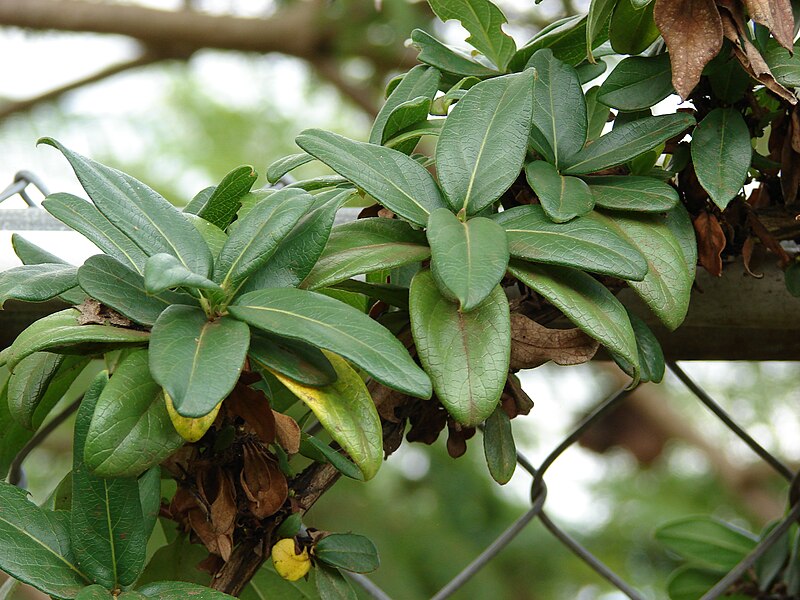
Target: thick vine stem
<point>243,565</point>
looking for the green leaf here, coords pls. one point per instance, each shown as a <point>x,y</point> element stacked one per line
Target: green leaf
<point>597,115</point>
<point>180,590</point>
<point>282,166</point>
<point>626,142</point>
<point>398,182</point>
<point>651,356</point>
<point>313,448</point>
<point>691,583</point>
<point>31,254</point>
<point>35,546</point>
<point>730,81</point>
<point>319,183</point>
<point>294,359</point>
<point>771,563</point>
<point>220,207</point>
<point>483,142</point>
<point>559,108</point>
<point>130,430</point>
<point>393,295</point>
<point>637,82</point>
<point>177,561</point>
<point>115,285</point>
<point>466,354</point>
<point>106,529</point>
<point>680,225</point>
<point>586,302</point>
<point>668,282</point>
<point>405,115</point>
<point>332,585</point>
<point>346,411</point>
<point>348,551</point>
<point>13,436</point>
<point>38,382</point>
<point>590,71</point>
<point>367,245</point>
<point>150,496</point>
<point>632,29</point>
<point>721,153</point>
<point>468,258</point>
<point>584,243</point>
<point>785,67</point>
<point>36,283</point>
<point>792,279</point>
<point>707,542</point>
<point>566,38</point>
<point>258,234</point>
<point>421,81</point>
<point>195,360</point>
<point>597,19</point>
<point>484,21</point>
<point>447,59</point>
<point>164,271</point>
<point>95,592</point>
<point>143,215</point>
<point>60,332</point>
<point>301,248</point>
<point>563,198</point>
<point>332,325</point>
<point>499,447</point>
<point>268,584</point>
<point>213,236</point>
<point>629,192</point>
<point>84,218</point>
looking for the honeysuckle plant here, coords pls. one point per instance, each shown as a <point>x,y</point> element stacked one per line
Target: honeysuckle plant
<point>250,351</point>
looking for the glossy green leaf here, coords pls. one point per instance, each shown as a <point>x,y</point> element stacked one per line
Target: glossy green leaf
<point>213,236</point>
<point>421,81</point>
<point>177,561</point>
<point>668,282</point>
<point>195,360</point>
<point>130,430</point>
<point>332,585</point>
<point>393,295</point>
<point>38,382</point>
<point>404,116</point>
<point>498,446</point>
<point>164,271</point>
<point>60,332</point>
<point>629,192</point>
<point>785,67</point>
<point>268,584</point>
<point>721,153</point>
<point>590,71</point>
<point>559,108</point>
<point>112,283</point>
<point>398,182</point>
<point>566,38</point>
<point>220,207</point>
<point>36,283</point>
<point>31,254</point>
<point>346,411</point>
<point>596,114</point>
<point>142,214</point>
<point>680,225</point>
<point>149,484</point>
<point>586,302</point>
<point>106,527</point>
<point>35,545</point>
<point>626,142</point>
<point>632,28</point>
<point>13,436</point>
<point>585,243</point>
<point>367,245</point>
<point>318,451</point>
<point>284,165</point>
<point>444,58</point>
<point>258,234</point>
<point>84,218</point>
<point>483,142</point>
<point>691,583</point>
<point>180,590</point>
<point>292,358</point>
<point>707,542</point>
<point>562,197</point>
<point>301,248</point>
<point>320,183</point>
<point>332,325</point>
<point>348,551</point>
<point>95,592</point>
<point>637,82</point>
<point>468,259</point>
<point>484,21</point>
<point>466,354</point>
<point>730,81</point>
<point>599,14</point>
<point>651,356</point>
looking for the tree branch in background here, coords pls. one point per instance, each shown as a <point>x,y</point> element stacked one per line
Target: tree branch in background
<point>360,96</point>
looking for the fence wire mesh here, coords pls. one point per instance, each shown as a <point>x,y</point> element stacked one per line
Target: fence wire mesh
<point>538,497</point>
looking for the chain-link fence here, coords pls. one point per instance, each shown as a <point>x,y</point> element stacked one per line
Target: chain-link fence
<point>538,489</point>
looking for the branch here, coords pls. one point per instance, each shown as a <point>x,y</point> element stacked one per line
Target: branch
<point>360,96</point>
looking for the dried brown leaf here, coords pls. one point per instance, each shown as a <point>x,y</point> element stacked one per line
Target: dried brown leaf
<point>769,241</point>
<point>533,344</point>
<point>515,401</point>
<point>253,407</point>
<point>262,481</point>
<point>427,420</point>
<point>287,432</point>
<point>692,30</point>
<point>795,137</point>
<point>710,242</point>
<point>747,257</point>
<point>93,312</point>
<point>775,15</point>
<point>790,172</point>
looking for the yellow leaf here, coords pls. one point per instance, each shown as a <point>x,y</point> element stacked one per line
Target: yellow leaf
<point>190,429</point>
<point>289,565</point>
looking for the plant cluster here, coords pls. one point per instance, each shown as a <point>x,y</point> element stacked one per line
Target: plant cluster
<point>253,351</point>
